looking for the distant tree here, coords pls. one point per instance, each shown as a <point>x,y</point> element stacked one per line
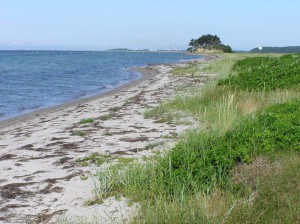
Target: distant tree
<point>224,48</point>
<point>193,45</point>
<point>289,49</point>
<point>208,41</point>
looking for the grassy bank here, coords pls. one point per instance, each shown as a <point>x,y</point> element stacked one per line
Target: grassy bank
<point>240,166</point>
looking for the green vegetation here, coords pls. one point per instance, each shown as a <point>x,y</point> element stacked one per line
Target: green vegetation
<point>94,158</point>
<point>79,133</point>
<point>292,49</point>
<point>125,161</point>
<point>208,41</point>
<point>204,159</point>
<point>106,117</point>
<point>277,196</point>
<point>267,73</point>
<point>152,145</point>
<point>205,178</point>
<point>191,69</point>
<point>86,121</point>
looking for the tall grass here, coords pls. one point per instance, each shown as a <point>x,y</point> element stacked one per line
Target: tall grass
<point>191,183</point>
<point>218,107</point>
<point>277,196</point>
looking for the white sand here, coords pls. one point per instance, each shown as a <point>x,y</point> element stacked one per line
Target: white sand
<point>39,178</point>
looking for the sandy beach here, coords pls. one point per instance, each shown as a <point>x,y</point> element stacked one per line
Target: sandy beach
<point>40,179</point>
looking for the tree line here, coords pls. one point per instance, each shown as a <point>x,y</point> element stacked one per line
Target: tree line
<point>291,49</point>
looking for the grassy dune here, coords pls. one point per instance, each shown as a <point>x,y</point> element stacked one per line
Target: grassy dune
<point>241,166</point>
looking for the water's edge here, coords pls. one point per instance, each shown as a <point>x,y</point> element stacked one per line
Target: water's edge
<point>146,73</point>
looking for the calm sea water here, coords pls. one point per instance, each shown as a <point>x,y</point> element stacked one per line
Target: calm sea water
<point>31,80</point>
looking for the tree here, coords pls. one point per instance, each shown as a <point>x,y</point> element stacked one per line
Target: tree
<point>208,41</point>
<point>193,45</point>
<point>224,48</point>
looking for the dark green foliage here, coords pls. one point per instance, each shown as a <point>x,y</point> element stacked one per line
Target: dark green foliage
<point>265,73</point>
<point>204,160</point>
<point>208,41</point>
<point>224,48</point>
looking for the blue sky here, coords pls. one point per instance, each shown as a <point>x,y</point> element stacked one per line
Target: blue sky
<point>153,24</point>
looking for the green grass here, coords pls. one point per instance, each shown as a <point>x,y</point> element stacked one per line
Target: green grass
<point>204,159</point>
<point>152,145</point>
<point>265,73</point>
<point>277,197</point>
<point>275,200</point>
<point>94,158</point>
<point>79,133</point>
<point>125,161</point>
<point>106,117</point>
<point>157,111</point>
<point>86,121</point>
<point>191,69</point>
<point>193,182</point>
<point>218,106</point>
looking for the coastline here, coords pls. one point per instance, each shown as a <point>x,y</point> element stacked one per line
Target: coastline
<point>41,179</point>
<point>146,72</point>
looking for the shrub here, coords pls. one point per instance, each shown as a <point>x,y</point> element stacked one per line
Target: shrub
<point>204,160</point>
<point>265,73</point>
<point>86,121</point>
<point>224,48</point>
<point>95,158</point>
<point>79,133</point>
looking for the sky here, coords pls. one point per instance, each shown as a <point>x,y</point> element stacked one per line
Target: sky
<point>151,24</point>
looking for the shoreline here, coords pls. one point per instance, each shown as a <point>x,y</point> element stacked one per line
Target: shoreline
<point>40,178</point>
<point>18,115</point>
<point>145,71</point>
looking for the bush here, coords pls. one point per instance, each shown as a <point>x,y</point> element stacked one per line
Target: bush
<point>224,48</point>
<point>265,73</point>
<point>204,160</point>
<point>86,121</point>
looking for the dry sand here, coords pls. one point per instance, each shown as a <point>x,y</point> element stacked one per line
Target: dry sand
<point>40,179</point>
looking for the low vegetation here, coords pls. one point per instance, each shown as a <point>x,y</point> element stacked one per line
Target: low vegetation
<point>205,178</point>
<point>265,73</point>
<point>86,121</point>
<point>94,158</point>
<point>292,49</point>
<point>106,117</point>
<point>79,133</point>
<point>191,69</point>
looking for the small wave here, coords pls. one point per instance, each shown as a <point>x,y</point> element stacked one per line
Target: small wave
<point>79,95</point>
<point>22,108</point>
<point>108,86</point>
<point>26,108</point>
<point>117,82</point>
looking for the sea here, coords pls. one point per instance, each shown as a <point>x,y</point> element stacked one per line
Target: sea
<point>33,80</point>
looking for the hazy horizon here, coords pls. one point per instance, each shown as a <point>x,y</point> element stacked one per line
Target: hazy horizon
<point>99,25</point>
